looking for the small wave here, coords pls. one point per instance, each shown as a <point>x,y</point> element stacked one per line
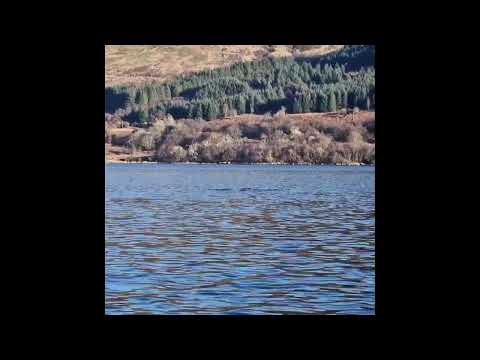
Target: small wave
<point>258,189</point>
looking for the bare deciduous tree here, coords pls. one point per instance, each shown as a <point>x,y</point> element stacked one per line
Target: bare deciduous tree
<point>258,139</point>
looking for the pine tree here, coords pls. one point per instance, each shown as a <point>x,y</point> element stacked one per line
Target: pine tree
<point>240,105</point>
<point>332,101</point>
<point>140,98</point>
<point>247,105</point>
<point>322,102</point>
<point>212,110</point>
<point>297,106</point>
<point>280,93</point>
<point>143,116</point>
<point>364,97</point>
<point>215,109</point>
<point>189,111</point>
<point>225,109</point>
<point>339,97</point>
<point>306,103</point>
<point>167,92</point>
<point>198,111</point>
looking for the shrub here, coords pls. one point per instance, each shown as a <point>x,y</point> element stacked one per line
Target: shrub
<point>257,139</point>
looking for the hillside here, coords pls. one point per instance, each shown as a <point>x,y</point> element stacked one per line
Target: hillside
<point>329,82</point>
<point>140,64</point>
<point>256,104</point>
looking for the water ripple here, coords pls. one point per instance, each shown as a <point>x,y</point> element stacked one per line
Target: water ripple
<point>186,239</point>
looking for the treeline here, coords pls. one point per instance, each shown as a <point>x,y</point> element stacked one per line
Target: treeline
<point>256,139</point>
<point>344,79</point>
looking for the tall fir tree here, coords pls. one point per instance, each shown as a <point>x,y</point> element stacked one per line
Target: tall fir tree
<point>198,111</point>
<point>225,109</point>
<point>240,105</point>
<point>339,97</point>
<point>297,106</point>
<point>332,101</point>
<point>252,104</point>
<point>143,117</point>
<point>323,103</point>
<point>306,103</point>
<point>212,110</point>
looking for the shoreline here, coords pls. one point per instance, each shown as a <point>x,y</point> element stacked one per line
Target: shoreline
<point>230,163</point>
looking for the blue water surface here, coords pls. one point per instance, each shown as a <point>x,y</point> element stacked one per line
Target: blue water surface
<point>239,239</point>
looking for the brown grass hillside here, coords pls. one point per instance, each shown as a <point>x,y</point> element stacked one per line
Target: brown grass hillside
<point>138,64</point>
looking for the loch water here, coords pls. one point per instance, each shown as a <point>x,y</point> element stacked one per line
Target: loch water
<point>239,239</point>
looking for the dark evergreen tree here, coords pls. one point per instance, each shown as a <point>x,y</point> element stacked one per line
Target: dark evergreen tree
<point>332,101</point>
<point>225,109</point>
<point>240,105</point>
<point>323,103</point>
<point>198,111</point>
<point>339,97</point>
<point>307,105</point>
<point>297,106</point>
<point>251,104</point>
<point>143,117</point>
<point>211,110</point>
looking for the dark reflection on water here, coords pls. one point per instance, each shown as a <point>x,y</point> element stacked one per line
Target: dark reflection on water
<point>209,239</point>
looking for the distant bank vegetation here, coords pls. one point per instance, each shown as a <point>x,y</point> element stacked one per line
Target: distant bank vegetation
<point>342,79</point>
<point>309,138</point>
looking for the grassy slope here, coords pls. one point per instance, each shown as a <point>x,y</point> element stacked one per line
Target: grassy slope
<point>138,64</point>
